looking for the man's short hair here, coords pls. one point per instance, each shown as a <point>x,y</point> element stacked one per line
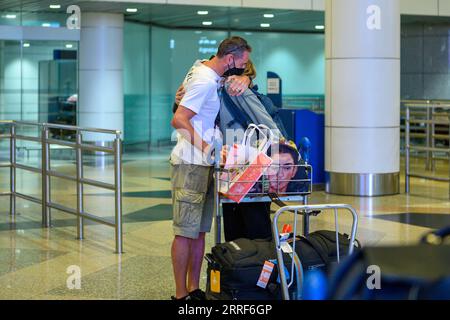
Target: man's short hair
<point>235,45</point>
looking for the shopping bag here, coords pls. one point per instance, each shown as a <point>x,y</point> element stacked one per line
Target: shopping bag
<point>246,163</point>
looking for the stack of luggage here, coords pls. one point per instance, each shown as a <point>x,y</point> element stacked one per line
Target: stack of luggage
<point>235,268</point>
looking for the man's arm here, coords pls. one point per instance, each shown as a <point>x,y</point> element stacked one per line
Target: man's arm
<point>181,122</point>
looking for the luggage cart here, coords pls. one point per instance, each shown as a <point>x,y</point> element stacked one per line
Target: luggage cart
<point>260,194</point>
<point>296,210</point>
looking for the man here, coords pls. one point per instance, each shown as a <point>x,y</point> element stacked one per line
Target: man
<point>191,170</point>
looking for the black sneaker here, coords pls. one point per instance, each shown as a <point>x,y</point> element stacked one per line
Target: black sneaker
<point>186,298</point>
<point>197,294</point>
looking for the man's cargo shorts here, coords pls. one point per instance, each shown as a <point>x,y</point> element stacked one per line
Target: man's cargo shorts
<point>192,199</point>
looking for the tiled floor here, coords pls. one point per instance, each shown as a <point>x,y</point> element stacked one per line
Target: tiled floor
<point>34,261</point>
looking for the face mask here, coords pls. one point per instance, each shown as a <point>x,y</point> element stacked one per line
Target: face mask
<point>234,71</point>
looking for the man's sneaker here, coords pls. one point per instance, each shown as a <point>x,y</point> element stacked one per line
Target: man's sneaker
<point>188,297</point>
<point>197,294</point>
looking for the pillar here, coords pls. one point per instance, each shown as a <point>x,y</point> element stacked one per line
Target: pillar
<point>362,107</point>
<point>101,73</point>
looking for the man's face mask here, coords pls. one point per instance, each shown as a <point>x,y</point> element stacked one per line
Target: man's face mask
<point>233,71</point>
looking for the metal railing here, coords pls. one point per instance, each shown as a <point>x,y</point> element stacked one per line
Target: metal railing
<point>79,146</point>
<point>428,114</point>
<point>426,126</point>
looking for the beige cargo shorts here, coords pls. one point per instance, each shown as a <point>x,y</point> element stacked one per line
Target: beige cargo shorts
<point>192,199</point>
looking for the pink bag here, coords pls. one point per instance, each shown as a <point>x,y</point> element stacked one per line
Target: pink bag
<point>246,164</point>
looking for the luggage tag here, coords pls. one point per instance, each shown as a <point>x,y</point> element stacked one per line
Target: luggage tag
<point>215,281</point>
<point>285,247</point>
<point>265,274</point>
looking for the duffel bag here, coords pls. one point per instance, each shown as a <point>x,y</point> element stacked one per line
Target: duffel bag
<point>319,250</point>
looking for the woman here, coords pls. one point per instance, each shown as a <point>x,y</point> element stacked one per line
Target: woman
<point>249,220</point>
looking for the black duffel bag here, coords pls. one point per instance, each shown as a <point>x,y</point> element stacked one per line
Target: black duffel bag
<point>318,250</point>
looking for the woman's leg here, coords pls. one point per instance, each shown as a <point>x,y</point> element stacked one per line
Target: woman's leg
<point>256,219</point>
<point>233,225</point>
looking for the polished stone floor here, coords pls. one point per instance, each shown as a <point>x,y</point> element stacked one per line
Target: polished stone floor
<point>35,262</point>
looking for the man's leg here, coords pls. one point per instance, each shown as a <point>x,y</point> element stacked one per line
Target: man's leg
<point>195,262</point>
<point>181,248</point>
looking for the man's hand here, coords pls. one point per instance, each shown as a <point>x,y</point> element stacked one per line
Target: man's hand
<point>237,85</point>
<point>223,154</point>
<point>180,94</point>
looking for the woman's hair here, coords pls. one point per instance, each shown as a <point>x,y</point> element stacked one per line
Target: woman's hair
<point>250,69</point>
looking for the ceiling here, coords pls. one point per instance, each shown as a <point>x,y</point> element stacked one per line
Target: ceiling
<point>173,16</point>
<point>33,12</point>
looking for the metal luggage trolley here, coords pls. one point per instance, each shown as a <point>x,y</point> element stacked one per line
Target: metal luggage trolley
<point>259,194</point>
<point>296,210</point>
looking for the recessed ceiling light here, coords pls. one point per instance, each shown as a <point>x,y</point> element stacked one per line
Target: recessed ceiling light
<point>198,32</point>
<point>55,6</point>
<point>319,27</point>
<point>26,45</point>
<point>69,46</point>
<point>10,16</point>
<point>265,25</point>
<point>202,12</point>
<point>207,23</point>
<point>132,10</point>
<point>268,15</point>
<point>46,24</point>
<point>248,33</point>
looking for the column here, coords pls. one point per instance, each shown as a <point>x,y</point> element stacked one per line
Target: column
<point>362,108</point>
<point>101,73</point>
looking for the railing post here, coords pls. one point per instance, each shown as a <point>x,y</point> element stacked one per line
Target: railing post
<point>407,150</point>
<point>433,144</point>
<point>12,170</point>
<point>428,138</point>
<point>46,218</point>
<point>118,192</point>
<point>305,216</point>
<point>80,205</point>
